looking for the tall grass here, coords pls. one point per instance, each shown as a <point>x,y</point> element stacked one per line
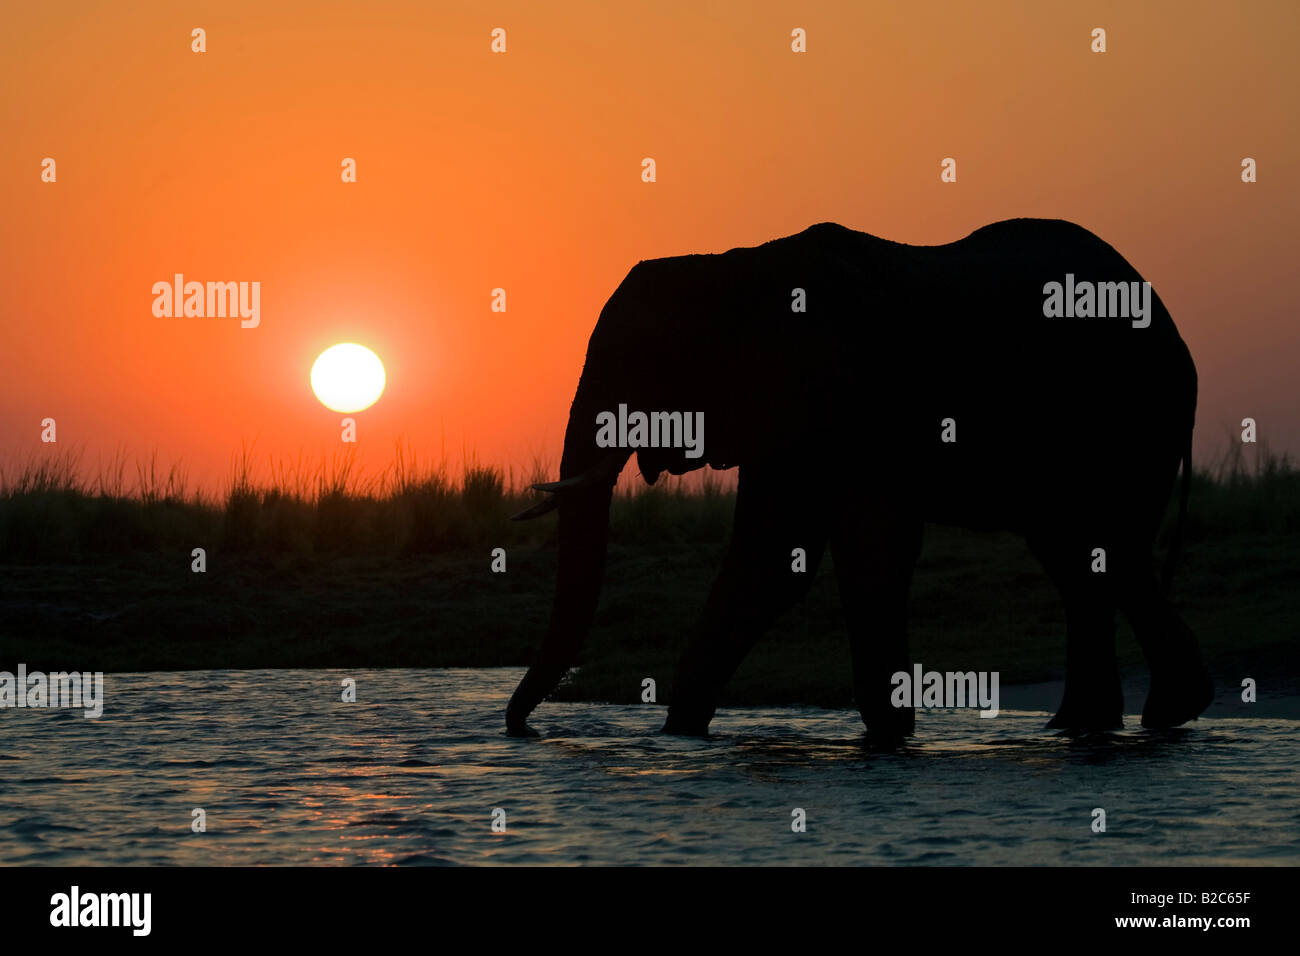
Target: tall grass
<point>50,510</point>
<point>1246,489</point>
<point>332,506</point>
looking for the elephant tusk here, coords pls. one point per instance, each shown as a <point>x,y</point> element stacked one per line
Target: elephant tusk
<point>602,471</point>
<point>565,484</point>
<point>537,510</point>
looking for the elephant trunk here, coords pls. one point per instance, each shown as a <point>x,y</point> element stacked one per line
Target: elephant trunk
<point>582,496</point>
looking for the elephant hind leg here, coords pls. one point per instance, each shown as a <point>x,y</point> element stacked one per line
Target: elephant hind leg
<point>774,515</point>
<point>1094,695</point>
<point>1181,687</point>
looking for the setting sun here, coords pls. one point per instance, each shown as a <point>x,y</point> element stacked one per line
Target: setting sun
<point>347,377</point>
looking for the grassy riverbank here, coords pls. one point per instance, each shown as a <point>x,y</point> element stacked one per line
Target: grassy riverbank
<point>321,569</point>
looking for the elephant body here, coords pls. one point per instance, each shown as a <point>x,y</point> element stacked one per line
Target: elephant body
<point>865,388</point>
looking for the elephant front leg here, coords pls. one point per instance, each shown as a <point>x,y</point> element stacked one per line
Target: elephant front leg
<point>874,560</point>
<point>720,642</point>
<point>753,590</point>
<point>760,580</point>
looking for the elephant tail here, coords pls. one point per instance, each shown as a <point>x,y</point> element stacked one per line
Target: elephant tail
<point>1176,542</point>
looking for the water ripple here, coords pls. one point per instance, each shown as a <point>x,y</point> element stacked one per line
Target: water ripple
<point>412,772</point>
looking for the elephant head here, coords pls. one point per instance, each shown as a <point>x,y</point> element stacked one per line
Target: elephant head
<point>626,364</point>
<point>674,338</point>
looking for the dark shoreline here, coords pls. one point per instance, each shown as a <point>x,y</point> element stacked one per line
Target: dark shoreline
<point>980,602</point>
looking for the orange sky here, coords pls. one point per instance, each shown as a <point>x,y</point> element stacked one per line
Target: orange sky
<point>478,170</point>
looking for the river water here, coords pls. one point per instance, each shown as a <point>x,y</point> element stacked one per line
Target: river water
<point>412,772</point>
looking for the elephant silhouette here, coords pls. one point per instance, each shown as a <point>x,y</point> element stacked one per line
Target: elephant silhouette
<point>1013,379</point>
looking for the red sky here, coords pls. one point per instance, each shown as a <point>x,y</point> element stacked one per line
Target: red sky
<point>522,170</point>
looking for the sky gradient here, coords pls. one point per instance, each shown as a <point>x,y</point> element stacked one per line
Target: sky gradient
<point>523,171</point>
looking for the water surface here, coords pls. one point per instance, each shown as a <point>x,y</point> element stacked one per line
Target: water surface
<point>411,772</point>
